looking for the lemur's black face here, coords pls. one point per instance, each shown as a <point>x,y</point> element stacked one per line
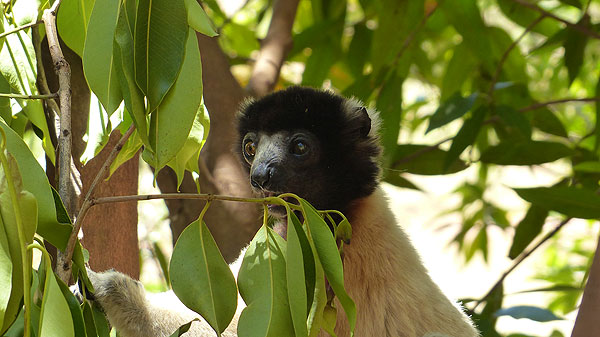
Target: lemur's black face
<point>311,143</point>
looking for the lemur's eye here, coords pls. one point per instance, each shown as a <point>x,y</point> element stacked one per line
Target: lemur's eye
<point>249,149</point>
<point>299,147</point>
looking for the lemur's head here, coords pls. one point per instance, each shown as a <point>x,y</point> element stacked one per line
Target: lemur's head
<point>312,143</point>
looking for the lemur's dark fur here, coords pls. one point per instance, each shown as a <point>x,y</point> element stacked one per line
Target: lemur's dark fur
<point>347,169</point>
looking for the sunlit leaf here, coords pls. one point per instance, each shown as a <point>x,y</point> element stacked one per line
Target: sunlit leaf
<point>458,70</point>
<point>72,22</point>
<point>572,201</point>
<point>172,121</point>
<point>263,286</point>
<point>124,58</point>
<point>588,167</point>
<point>98,61</point>
<point>329,257</point>
<point>198,19</point>
<point>37,183</point>
<point>525,153</point>
<point>159,46</point>
<point>55,317</point>
<point>201,278</point>
<point>297,290</point>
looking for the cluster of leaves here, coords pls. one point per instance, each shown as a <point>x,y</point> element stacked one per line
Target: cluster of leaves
<point>281,281</point>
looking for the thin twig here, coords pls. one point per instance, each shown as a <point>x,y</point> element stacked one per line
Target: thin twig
<point>581,29</point>
<point>559,101</point>
<point>64,262</point>
<point>16,29</point>
<point>411,36</point>
<point>170,196</point>
<point>525,254</point>
<point>507,52</point>
<point>422,151</point>
<point>274,48</point>
<point>48,96</point>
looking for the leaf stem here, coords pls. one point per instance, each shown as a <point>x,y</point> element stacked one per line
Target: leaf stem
<point>25,259</point>
<point>19,28</point>
<point>44,96</point>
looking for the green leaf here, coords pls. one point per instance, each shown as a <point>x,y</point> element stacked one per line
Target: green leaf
<point>528,229</point>
<point>389,104</point>
<point>572,201</point>
<point>159,47</point>
<point>515,121</point>
<point>98,61</point>
<point>357,55</point>
<point>597,133</point>
<point>526,311</point>
<point>424,159</point>
<point>37,183</point>
<point>198,20</point>
<point>172,121</point>
<point>263,286</point>
<point>239,39</point>
<point>201,278</point>
<point>574,45</point>
<point>329,257</point>
<point>465,136</point>
<point>6,268</point>
<point>397,19</point>
<point>72,22</point>
<point>55,317</point>
<point>128,151</point>
<point>525,153</point>
<point>188,155</point>
<point>588,167</point>
<point>319,62</point>
<point>28,208</point>
<point>182,329</point>
<point>18,66</point>
<point>75,308</point>
<point>546,121</point>
<point>329,319</point>
<point>124,58</point>
<point>465,17</point>
<point>455,107</point>
<point>296,279</point>
<point>458,70</point>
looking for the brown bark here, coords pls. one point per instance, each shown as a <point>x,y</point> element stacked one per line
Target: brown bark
<point>586,323</point>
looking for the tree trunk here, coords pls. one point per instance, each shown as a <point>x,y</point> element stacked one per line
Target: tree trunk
<point>586,324</point>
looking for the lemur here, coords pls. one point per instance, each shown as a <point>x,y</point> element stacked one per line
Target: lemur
<point>323,148</point>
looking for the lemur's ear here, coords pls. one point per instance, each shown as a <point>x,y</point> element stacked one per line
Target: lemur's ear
<point>363,121</point>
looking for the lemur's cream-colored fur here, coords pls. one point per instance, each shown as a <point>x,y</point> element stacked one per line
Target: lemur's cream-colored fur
<point>385,277</point>
<point>394,295</point>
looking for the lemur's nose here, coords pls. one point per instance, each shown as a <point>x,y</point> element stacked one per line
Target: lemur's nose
<point>261,176</point>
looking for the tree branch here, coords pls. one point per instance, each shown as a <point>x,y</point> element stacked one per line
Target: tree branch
<point>525,254</point>
<point>507,52</point>
<point>64,260</point>
<point>581,29</point>
<point>274,49</point>
<point>558,101</point>
<point>586,323</point>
